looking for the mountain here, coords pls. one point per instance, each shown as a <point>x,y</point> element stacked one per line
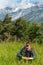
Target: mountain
<point>13,12</point>
<point>34,13</point>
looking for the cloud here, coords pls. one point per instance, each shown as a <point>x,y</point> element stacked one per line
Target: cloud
<point>3,3</point>
<point>26,4</point>
<point>19,3</point>
<point>41,2</point>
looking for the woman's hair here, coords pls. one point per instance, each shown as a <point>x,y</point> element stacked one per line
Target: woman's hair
<point>28,43</point>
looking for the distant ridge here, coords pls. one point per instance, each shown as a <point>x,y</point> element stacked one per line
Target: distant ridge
<point>34,13</point>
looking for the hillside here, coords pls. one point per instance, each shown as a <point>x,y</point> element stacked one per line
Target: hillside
<point>34,13</point>
<point>9,50</point>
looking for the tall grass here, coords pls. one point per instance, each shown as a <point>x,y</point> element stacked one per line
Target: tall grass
<point>9,50</point>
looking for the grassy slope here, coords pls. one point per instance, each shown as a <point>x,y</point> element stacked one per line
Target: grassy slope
<point>8,52</point>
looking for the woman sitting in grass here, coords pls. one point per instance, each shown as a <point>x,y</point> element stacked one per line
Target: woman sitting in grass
<point>27,52</point>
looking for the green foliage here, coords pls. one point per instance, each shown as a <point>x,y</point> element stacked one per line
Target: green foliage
<point>21,30</point>
<point>7,19</point>
<point>35,31</point>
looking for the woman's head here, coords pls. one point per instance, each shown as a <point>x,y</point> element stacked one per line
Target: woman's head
<point>28,46</point>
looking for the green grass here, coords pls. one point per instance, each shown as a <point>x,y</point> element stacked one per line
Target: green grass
<point>9,50</point>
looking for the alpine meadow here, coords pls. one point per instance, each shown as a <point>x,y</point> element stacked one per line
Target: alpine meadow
<point>14,35</point>
<point>21,32</point>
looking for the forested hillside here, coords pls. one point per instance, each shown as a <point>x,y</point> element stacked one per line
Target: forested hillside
<point>20,30</point>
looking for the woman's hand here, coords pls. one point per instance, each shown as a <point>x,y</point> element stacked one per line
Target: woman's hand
<point>27,58</point>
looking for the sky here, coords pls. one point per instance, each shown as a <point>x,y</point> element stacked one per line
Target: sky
<point>18,3</point>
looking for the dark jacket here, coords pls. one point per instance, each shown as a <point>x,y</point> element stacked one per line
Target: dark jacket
<point>26,53</point>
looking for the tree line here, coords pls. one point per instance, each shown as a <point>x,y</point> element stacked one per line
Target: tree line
<point>20,30</point>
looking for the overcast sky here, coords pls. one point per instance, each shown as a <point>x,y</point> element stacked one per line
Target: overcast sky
<point>18,3</point>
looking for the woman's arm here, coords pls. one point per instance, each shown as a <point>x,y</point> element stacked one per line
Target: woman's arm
<point>27,58</point>
<point>21,52</point>
<point>33,54</point>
